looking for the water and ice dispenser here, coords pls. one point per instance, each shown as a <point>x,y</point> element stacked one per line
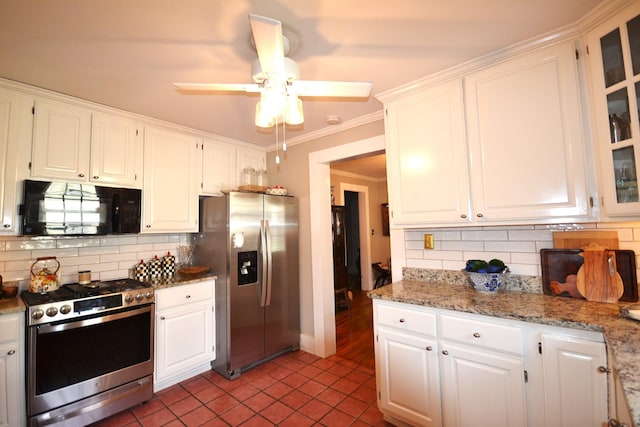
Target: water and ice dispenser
<point>247,267</point>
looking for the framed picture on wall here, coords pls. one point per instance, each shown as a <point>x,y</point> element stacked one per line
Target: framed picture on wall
<point>385,219</point>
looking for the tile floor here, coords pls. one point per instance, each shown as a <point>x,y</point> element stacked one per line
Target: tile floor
<point>296,389</point>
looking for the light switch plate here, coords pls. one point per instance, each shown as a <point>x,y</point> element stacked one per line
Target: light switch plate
<point>428,241</point>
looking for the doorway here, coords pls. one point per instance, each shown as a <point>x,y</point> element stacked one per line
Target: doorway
<point>324,340</point>
<point>352,227</point>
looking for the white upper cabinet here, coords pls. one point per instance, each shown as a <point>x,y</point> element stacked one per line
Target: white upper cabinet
<point>427,156</point>
<point>219,168</point>
<point>170,197</point>
<point>15,127</point>
<point>501,145</point>
<point>61,141</point>
<point>614,60</point>
<point>74,143</point>
<point>116,150</point>
<point>525,137</point>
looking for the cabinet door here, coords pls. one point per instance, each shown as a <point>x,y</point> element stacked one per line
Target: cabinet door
<point>61,140</point>
<point>525,138</point>
<point>9,385</point>
<point>15,123</point>
<point>575,389</point>
<point>482,388</point>
<point>218,167</point>
<point>408,378</point>
<point>427,157</point>
<point>116,151</point>
<point>184,338</point>
<point>170,197</point>
<point>615,67</point>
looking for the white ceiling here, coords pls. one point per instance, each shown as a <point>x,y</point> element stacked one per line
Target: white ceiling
<point>126,54</point>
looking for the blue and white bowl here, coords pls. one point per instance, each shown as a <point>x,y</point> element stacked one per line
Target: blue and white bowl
<point>487,282</point>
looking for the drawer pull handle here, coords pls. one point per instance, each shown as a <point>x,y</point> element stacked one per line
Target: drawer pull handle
<point>11,352</point>
<point>402,320</point>
<point>429,348</point>
<point>6,225</point>
<point>476,335</point>
<point>603,370</point>
<point>445,352</point>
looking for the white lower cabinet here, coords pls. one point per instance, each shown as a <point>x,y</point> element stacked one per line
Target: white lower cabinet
<point>407,366</point>
<point>574,373</point>
<point>445,368</point>
<point>12,373</point>
<point>185,332</point>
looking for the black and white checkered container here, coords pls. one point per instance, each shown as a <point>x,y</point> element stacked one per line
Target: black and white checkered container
<point>168,265</point>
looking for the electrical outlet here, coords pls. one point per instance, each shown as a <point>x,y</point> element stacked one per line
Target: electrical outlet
<point>428,241</point>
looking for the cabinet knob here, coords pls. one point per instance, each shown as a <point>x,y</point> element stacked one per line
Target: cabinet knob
<point>603,370</point>
<point>11,352</point>
<point>148,225</point>
<point>429,348</point>
<point>463,216</point>
<point>479,215</point>
<point>96,177</point>
<point>162,317</point>
<point>402,320</point>
<point>187,296</point>
<point>445,352</point>
<point>6,225</point>
<point>476,335</point>
<point>81,175</point>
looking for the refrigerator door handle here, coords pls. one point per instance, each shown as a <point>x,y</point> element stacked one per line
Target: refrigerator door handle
<point>265,264</point>
<point>267,233</point>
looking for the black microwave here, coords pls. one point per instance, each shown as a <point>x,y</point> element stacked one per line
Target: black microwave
<point>78,209</point>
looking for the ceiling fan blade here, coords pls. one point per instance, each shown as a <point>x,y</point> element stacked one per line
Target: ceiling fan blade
<point>217,87</point>
<point>332,88</point>
<point>267,36</point>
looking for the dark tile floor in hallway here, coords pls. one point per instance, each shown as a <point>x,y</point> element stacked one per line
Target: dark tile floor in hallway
<point>295,389</point>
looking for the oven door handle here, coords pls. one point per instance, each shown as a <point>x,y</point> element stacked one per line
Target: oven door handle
<point>47,329</point>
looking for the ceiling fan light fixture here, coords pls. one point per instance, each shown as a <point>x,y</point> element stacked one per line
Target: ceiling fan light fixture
<point>295,114</point>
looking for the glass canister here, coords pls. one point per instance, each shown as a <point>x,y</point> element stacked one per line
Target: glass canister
<point>263,179</point>
<point>249,177</point>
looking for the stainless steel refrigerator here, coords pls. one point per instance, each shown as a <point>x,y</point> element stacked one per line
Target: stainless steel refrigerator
<point>250,241</point>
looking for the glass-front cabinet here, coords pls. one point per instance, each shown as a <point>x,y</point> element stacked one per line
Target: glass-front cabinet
<point>614,55</point>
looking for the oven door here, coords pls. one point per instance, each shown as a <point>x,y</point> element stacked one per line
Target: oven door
<point>69,361</point>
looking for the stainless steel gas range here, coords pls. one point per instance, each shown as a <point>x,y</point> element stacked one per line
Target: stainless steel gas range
<point>90,351</point>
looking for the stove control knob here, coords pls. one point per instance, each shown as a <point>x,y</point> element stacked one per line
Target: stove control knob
<point>139,297</point>
<point>37,313</point>
<point>128,299</point>
<point>51,311</point>
<point>65,309</point>
<point>148,295</point>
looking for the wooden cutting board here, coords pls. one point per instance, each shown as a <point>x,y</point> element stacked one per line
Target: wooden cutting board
<point>581,238</point>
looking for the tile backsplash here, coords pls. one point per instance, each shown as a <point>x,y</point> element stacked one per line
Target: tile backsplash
<point>108,257</point>
<point>518,246</point>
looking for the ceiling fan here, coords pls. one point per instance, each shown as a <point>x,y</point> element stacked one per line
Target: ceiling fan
<point>277,79</point>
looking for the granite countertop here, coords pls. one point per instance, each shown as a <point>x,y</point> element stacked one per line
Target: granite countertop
<point>11,305</point>
<point>179,280</point>
<point>622,335</point>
